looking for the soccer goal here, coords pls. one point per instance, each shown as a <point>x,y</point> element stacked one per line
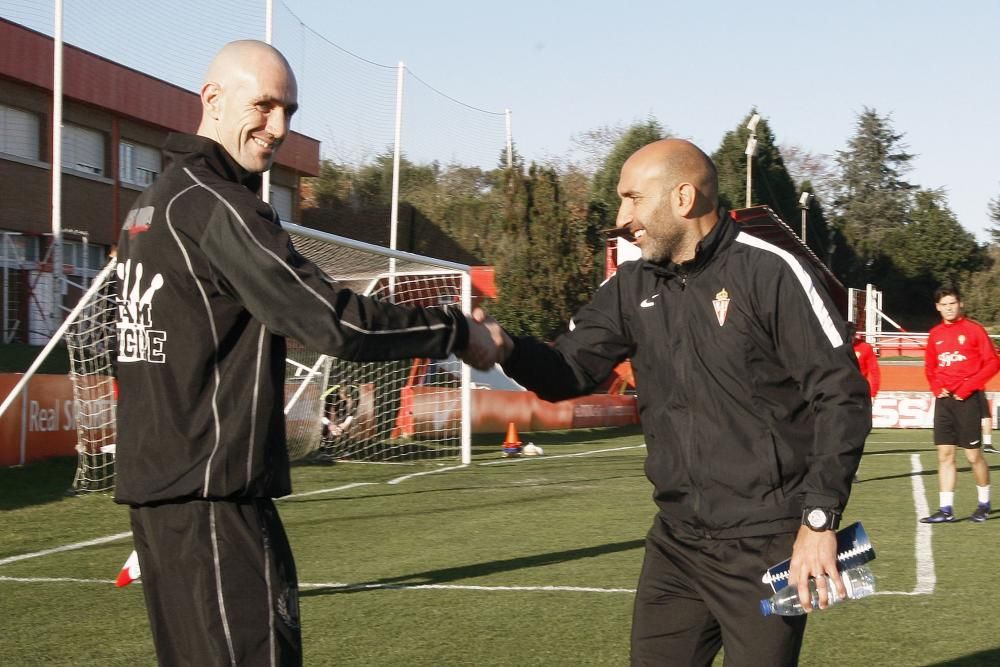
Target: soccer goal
<point>396,411</point>
<point>378,411</point>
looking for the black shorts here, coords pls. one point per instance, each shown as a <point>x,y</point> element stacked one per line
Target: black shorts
<point>696,595</point>
<point>984,405</point>
<point>219,582</point>
<point>958,422</point>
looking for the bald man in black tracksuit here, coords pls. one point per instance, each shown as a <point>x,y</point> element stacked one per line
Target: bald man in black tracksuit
<point>753,410</point>
<point>209,287</point>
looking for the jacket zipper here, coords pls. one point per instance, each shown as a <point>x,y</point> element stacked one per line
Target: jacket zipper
<point>689,392</point>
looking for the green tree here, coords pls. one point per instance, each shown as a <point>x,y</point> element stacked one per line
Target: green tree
<point>929,250</point>
<point>771,184</point>
<point>933,242</point>
<point>602,208</point>
<point>981,292</point>
<point>543,277</point>
<point>604,191</point>
<point>872,198</point>
<point>334,184</point>
<point>994,211</point>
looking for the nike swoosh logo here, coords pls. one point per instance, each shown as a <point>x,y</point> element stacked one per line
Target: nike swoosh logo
<point>648,303</point>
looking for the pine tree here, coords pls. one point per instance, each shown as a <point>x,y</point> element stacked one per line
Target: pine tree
<point>994,211</point>
<point>771,184</point>
<point>872,198</point>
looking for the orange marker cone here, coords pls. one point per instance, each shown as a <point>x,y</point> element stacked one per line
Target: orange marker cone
<point>512,443</point>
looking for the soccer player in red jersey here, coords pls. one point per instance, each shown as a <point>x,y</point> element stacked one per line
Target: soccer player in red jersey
<point>959,360</point>
<point>867,362</point>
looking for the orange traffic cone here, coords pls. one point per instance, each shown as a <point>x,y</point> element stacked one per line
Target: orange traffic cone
<point>512,443</point>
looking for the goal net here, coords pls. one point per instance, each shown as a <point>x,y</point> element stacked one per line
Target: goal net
<point>91,342</point>
<point>334,409</point>
<point>378,411</point>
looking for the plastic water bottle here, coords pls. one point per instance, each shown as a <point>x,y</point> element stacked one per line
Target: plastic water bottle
<point>859,582</point>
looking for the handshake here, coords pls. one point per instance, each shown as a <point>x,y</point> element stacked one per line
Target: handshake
<point>488,343</point>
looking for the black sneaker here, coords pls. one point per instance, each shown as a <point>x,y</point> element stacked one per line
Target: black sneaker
<point>990,449</point>
<point>943,515</point>
<point>982,513</point>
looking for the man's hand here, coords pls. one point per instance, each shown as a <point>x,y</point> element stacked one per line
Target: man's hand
<point>504,343</point>
<point>488,343</point>
<point>944,393</point>
<point>813,555</point>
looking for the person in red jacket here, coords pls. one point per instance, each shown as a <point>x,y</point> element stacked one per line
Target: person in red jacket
<point>867,361</point>
<point>959,360</point>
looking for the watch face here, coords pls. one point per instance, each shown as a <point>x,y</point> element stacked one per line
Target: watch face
<point>816,518</point>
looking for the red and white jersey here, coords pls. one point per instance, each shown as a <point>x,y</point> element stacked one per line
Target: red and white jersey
<point>960,357</point>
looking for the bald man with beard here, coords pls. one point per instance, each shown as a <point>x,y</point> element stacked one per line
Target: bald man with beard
<point>209,287</point>
<point>752,406</point>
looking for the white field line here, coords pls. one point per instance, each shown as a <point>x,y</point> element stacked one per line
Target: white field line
<point>66,547</point>
<point>924,552</point>
<point>546,457</point>
<point>426,472</point>
<point>359,587</point>
<point>926,578</point>
<point>457,587</point>
<point>330,490</point>
<point>58,580</point>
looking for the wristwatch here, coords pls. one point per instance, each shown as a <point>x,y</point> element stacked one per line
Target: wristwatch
<point>820,518</point>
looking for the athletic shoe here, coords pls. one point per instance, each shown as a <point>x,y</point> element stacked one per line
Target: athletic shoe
<point>943,515</point>
<point>990,449</point>
<point>981,513</point>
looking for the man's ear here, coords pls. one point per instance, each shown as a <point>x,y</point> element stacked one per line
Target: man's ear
<point>685,198</point>
<point>210,99</point>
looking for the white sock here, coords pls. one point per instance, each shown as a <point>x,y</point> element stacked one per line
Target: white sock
<point>988,439</point>
<point>947,498</point>
<point>984,494</point>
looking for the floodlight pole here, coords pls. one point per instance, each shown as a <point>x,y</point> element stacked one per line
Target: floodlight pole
<point>751,149</point>
<point>55,309</point>
<point>265,184</point>
<point>804,205</point>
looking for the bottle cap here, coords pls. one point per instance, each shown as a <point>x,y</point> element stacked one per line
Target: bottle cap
<point>765,607</point>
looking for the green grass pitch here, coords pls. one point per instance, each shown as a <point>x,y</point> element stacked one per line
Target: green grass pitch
<point>504,562</point>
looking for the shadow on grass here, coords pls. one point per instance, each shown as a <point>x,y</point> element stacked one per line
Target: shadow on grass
<point>986,658</point>
<point>923,473</point>
<point>36,483</point>
<point>451,574</point>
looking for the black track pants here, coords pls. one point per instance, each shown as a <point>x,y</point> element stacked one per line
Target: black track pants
<point>696,595</point>
<point>219,582</point>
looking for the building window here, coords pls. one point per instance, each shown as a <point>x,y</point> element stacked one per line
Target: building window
<point>282,199</point>
<point>138,164</point>
<point>19,132</point>
<point>86,258</point>
<point>83,149</point>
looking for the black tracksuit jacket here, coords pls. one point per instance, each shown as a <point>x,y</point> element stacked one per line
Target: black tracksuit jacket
<point>209,286</point>
<point>751,401</point>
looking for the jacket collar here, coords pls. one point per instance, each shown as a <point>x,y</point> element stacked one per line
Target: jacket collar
<point>721,236</point>
<point>193,149</point>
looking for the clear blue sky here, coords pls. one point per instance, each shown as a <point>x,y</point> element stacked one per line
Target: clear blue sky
<point>567,67</point>
<point>698,67</point>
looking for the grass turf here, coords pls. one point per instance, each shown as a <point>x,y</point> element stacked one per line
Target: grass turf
<point>526,562</point>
